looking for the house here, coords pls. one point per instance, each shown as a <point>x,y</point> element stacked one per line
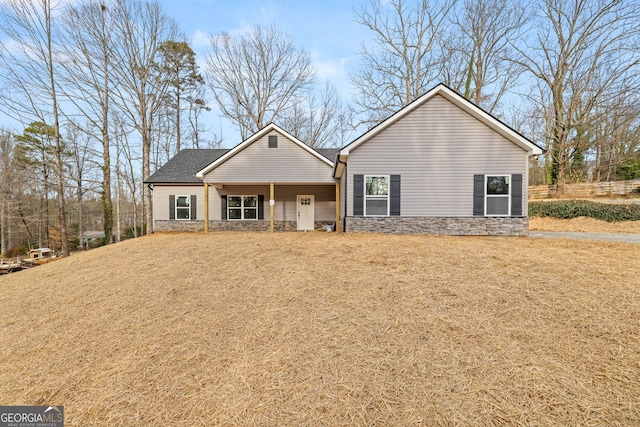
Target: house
<point>440,165</point>
<point>271,181</point>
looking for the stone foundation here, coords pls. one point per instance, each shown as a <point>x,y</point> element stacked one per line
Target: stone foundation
<point>178,226</point>
<point>456,226</point>
<point>182,226</point>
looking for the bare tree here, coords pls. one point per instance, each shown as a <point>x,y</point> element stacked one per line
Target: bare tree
<point>128,160</point>
<point>316,120</point>
<point>485,30</point>
<point>163,134</point>
<point>258,77</point>
<point>583,50</point>
<point>142,27</point>
<point>29,64</point>
<point>81,161</point>
<point>197,105</point>
<point>616,137</point>
<point>404,60</point>
<point>8,182</point>
<point>88,82</point>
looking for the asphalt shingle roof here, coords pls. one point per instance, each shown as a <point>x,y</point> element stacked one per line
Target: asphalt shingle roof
<point>182,168</point>
<point>329,153</point>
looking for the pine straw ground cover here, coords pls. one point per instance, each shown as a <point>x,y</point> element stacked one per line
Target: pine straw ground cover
<point>583,224</point>
<point>323,329</point>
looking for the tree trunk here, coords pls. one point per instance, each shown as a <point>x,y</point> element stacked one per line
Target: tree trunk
<point>146,169</point>
<point>107,203</point>
<point>80,214</point>
<point>62,217</point>
<point>44,232</point>
<point>118,207</point>
<point>178,133</point>
<point>3,227</point>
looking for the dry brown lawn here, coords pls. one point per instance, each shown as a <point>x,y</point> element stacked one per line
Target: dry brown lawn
<point>322,329</point>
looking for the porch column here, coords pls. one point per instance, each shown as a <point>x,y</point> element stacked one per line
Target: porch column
<point>206,207</point>
<point>272,202</point>
<point>338,226</point>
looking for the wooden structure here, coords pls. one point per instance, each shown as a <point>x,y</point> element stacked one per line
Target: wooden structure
<point>37,257</point>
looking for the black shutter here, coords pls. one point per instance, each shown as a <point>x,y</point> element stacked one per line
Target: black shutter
<point>193,206</point>
<point>172,207</point>
<point>358,195</point>
<point>478,195</point>
<point>223,208</point>
<point>273,141</point>
<point>394,194</point>
<point>260,206</point>
<point>516,194</point>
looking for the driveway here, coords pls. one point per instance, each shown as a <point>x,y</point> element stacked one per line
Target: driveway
<point>605,237</point>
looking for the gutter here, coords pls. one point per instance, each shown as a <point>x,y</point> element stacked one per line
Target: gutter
<point>339,162</point>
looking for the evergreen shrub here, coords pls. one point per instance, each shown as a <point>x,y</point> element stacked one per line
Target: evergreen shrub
<point>567,209</point>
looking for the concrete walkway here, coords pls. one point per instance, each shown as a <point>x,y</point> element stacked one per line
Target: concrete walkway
<point>605,237</point>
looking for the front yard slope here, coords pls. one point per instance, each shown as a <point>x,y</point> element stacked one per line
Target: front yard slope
<point>322,329</point>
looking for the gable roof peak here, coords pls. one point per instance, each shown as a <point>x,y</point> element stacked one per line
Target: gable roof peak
<point>462,103</point>
<point>269,127</point>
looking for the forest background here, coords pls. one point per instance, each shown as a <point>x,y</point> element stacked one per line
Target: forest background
<point>96,95</point>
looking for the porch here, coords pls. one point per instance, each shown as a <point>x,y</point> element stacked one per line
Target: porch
<point>271,207</point>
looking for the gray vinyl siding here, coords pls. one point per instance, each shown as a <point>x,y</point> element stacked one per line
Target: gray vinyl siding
<point>258,163</point>
<point>286,200</point>
<point>525,188</point>
<point>161,195</point>
<point>436,149</point>
<point>285,197</point>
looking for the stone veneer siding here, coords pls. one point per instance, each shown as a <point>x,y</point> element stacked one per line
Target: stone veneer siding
<point>457,226</point>
<point>183,225</point>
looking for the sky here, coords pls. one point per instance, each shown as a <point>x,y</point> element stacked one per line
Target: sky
<point>326,29</point>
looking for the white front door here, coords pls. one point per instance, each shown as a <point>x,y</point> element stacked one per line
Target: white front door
<point>305,213</point>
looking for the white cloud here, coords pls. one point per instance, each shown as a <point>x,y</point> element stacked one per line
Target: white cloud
<point>335,70</point>
<point>330,69</point>
<point>199,39</point>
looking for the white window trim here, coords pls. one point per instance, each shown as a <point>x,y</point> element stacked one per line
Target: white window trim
<point>508,195</point>
<point>242,208</point>
<point>188,208</point>
<point>388,196</point>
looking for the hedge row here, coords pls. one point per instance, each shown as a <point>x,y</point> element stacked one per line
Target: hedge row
<point>575,208</point>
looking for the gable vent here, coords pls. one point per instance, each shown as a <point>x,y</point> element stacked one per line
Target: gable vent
<point>273,141</point>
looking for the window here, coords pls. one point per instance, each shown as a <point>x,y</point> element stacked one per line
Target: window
<point>242,207</point>
<point>183,208</point>
<point>497,195</point>
<point>376,196</point>
<point>273,141</point>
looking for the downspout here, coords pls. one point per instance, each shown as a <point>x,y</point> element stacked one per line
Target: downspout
<point>206,205</point>
<point>150,187</point>
<point>344,196</point>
